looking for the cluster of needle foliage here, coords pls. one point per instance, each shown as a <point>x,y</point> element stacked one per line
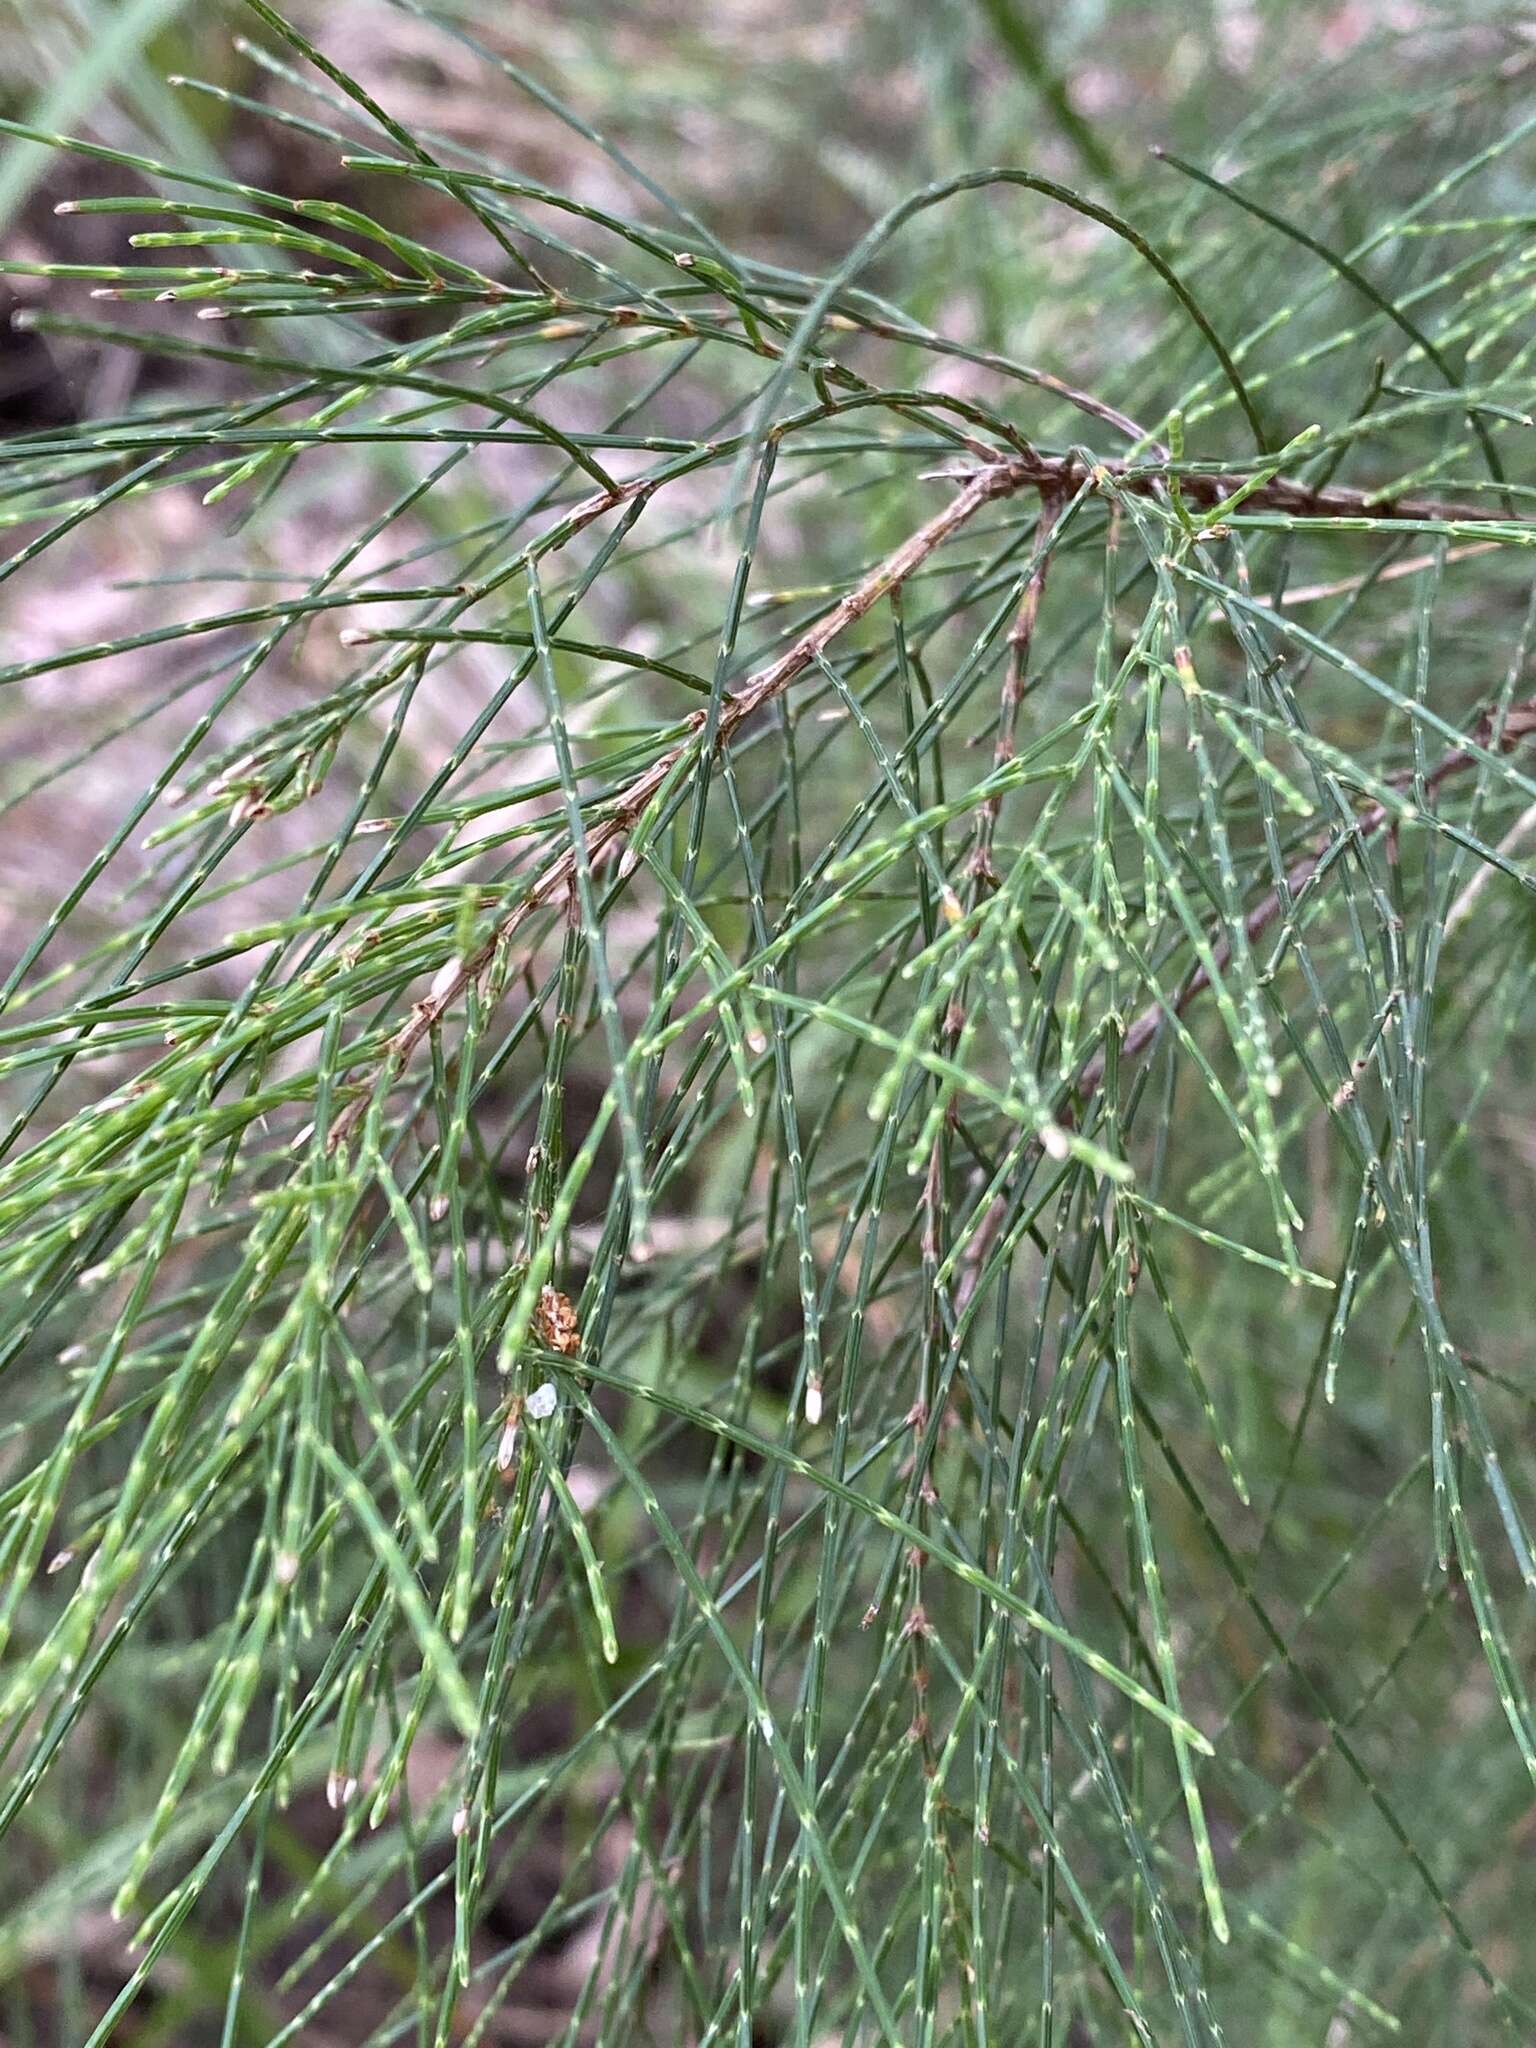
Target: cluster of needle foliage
<point>816,1340</point>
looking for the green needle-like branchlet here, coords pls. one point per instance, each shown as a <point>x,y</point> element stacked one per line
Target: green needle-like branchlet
<point>763,1134</point>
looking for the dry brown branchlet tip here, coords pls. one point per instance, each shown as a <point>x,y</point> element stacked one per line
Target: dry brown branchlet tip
<point>554,1322</point>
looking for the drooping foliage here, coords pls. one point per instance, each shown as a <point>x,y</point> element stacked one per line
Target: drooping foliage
<point>759,1274</point>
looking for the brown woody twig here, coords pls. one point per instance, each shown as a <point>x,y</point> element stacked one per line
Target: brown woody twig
<point>1054,477</point>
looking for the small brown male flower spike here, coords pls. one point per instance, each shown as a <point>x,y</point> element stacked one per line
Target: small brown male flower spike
<point>554,1322</point>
